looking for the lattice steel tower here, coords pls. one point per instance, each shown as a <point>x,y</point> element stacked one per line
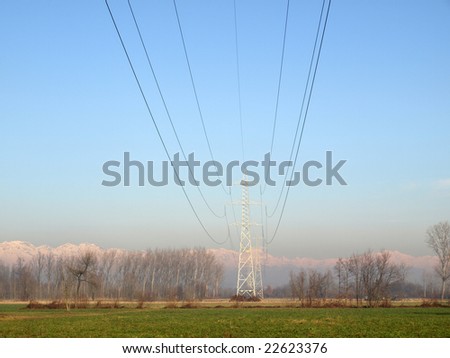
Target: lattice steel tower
<point>249,280</point>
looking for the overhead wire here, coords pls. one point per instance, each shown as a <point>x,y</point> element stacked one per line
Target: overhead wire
<point>305,115</point>
<point>305,93</point>
<point>238,78</point>
<point>240,106</point>
<point>156,125</point>
<point>280,75</point>
<point>180,28</point>
<point>166,108</point>
<point>194,87</point>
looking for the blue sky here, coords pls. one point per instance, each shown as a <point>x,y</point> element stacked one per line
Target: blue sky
<point>69,102</point>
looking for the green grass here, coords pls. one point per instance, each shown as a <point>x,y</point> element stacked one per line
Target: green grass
<point>15,321</point>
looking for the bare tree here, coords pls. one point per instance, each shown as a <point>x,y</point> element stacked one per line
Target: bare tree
<point>23,280</point>
<point>5,281</point>
<point>82,268</point>
<point>370,275</point>
<point>343,275</point>
<point>378,274</point>
<point>310,286</point>
<point>50,271</point>
<point>217,279</point>
<point>354,269</point>
<point>387,273</point>
<point>37,265</point>
<point>64,281</point>
<point>298,285</point>
<point>438,239</point>
<point>315,286</point>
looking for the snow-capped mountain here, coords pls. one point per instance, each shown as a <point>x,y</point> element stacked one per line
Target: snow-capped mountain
<point>10,251</point>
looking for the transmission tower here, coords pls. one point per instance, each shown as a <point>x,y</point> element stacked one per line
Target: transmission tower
<point>249,280</point>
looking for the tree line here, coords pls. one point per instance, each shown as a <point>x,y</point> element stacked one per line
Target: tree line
<point>194,274</point>
<point>364,277</point>
<point>372,277</point>
<point>167,274</point>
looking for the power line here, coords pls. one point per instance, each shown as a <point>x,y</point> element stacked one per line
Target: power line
<point>166,108</point>
<point>193,83</point>
<point>156,125</point>
<point>305,92</point>
<point>195,93</point>
<point>238,78</point>
<point>305,115</point>
<point>280,75</point>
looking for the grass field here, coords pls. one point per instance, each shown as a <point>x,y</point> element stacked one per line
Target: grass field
<point>155,321</point>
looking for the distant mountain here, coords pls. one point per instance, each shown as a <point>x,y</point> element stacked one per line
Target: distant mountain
<point>10,251</point>
<point>275,268</point>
